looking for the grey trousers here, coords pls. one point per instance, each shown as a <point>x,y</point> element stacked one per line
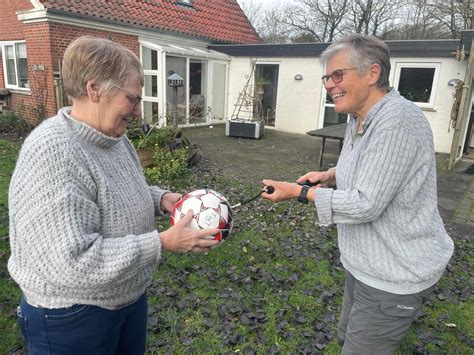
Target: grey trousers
<point>374,321</point>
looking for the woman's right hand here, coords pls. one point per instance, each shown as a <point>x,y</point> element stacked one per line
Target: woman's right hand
<point>326,178</point>
<point>181,238</point>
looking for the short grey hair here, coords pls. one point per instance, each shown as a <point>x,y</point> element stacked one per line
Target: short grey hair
<point>364,51</point>
<point>106,62</point>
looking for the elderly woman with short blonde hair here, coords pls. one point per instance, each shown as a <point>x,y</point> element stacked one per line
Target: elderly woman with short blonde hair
<point>84,244</point>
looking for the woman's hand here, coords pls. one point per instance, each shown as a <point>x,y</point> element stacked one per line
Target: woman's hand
<point>168,200</point>
<point>181,238</point>
<point>326,178</point>
<point>283,190</point>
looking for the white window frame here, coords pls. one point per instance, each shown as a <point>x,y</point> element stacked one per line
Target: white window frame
<point>3,44</point>
<point>437,68</point>
<point>189,53</point>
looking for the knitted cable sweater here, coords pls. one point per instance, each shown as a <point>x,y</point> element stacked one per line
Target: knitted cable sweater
<point>390,233</point>
<point>82,218</point>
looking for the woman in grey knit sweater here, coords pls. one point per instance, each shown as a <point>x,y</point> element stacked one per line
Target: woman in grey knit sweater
<point>84,243</point>
<point>393,243</point>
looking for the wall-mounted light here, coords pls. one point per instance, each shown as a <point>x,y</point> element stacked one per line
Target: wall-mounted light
<point>298,77</point>
<point>453,82</point>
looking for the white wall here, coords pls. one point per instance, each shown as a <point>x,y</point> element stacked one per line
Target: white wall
<point>299,103</point>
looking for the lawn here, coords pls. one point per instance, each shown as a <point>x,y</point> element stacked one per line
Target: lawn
<point>275,286</point>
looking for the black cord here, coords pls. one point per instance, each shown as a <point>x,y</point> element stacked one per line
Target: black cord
<point>267,189</point>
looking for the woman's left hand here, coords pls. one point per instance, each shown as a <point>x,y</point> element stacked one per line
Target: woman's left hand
<point>168,200</point>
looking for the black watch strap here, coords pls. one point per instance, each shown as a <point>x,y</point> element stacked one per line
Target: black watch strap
<point>303,197</point>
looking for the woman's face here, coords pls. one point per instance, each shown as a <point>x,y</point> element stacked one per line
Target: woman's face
<point>351,94</point>
<point>120,107</point>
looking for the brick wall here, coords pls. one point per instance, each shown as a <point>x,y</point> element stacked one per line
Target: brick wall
<point>45,46</point>
<point>10,27</point>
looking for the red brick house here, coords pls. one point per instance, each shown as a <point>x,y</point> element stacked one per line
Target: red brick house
<point>169,36</point>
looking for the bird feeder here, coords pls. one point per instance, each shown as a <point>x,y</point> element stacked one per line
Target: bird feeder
<point>175,81</point>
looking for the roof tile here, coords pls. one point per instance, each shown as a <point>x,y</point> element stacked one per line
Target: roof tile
<point>217,20</point>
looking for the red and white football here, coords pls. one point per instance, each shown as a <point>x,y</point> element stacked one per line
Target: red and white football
<point>211,210</point>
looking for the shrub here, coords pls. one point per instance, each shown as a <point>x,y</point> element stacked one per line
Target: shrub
<point>169,165</point>
<point>13,124</point>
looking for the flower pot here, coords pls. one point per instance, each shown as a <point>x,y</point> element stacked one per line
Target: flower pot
<point>146,156</point>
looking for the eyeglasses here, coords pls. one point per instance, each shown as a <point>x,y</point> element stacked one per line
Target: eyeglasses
<point>132,98</point>
<point>336,76</point>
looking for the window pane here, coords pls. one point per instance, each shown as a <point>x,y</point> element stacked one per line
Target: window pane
<point>416,83</point>
<point>150,59</point>
<point>21,50</point>
<point>150,112</point>
<point>22,65</point>
<point>10,59</point>
<point>151,85</point>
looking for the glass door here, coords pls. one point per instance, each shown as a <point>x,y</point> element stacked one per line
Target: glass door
<point>198,76</point>
<point>266,89</point>
<point>218,91</point>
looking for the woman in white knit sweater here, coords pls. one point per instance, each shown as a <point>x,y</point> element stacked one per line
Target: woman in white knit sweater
<point>84,243</point>
<point>391,237</point>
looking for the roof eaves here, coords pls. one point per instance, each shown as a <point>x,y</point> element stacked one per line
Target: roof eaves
<point>409,48</point>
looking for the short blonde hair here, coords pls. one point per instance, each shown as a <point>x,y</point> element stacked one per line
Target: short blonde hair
<point>108,63</point>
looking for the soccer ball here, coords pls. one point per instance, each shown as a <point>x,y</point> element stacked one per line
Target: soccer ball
<point>211,210</point>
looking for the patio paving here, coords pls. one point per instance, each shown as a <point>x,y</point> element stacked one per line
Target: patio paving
<point>286,156</point>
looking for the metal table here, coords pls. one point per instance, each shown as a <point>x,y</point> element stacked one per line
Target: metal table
<point>331,132</point>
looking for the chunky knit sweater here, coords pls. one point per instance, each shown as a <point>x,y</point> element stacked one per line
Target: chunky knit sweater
<point>390,233</point>
<point>82,218</point>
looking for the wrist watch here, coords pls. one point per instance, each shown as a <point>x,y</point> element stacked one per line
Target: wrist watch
<point>303,197</point>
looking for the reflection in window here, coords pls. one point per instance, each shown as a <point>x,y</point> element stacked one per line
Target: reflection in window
<point>149,59</point>
<point>416,84</point>
<point>185,2</point>
<point>150,112</point>
<point>151,85</point>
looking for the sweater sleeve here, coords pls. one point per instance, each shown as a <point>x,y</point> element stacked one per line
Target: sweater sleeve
<point>57,225</point>
<point>157,194</point>
<point>382,171</point>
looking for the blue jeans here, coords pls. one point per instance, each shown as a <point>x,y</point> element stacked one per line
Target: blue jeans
<point>84,329</point>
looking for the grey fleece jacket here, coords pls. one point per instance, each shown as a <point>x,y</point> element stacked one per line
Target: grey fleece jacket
<point>82,218</point>
<point>390,234</point>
